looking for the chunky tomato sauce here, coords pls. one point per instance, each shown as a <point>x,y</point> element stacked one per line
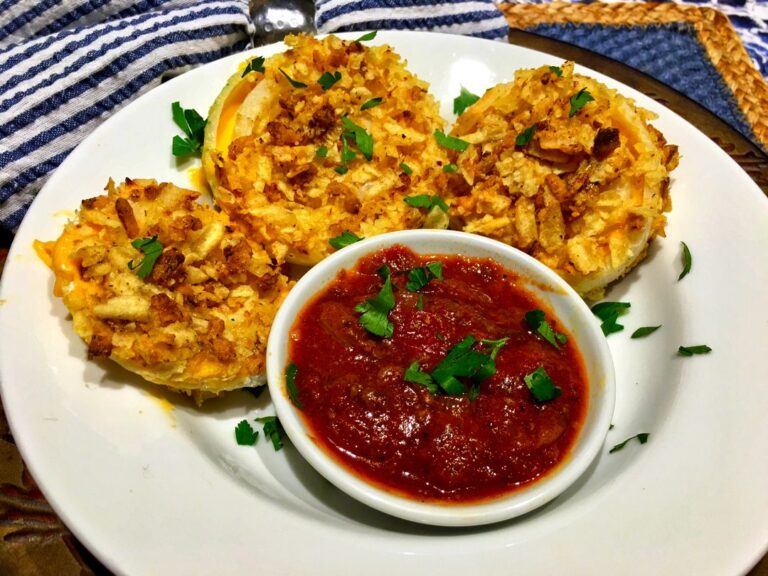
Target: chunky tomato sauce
<point>400,435</point>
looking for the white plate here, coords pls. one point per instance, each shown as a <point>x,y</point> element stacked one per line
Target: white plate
<point>157,491</point>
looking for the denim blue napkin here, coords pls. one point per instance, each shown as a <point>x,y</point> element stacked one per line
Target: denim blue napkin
<point>478,18</point>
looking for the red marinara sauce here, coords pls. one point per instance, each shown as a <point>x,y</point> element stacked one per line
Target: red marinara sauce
<point>399,435</point>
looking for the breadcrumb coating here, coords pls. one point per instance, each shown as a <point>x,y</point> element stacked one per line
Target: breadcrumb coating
<point>198,319</point>
<point>275,152</point>
<point>581,188</point>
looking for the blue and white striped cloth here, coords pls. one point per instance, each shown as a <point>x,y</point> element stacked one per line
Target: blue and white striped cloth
<point>479,18</point>
<point>66,65</point>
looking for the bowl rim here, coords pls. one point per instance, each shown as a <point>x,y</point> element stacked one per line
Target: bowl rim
<point>586,446</point>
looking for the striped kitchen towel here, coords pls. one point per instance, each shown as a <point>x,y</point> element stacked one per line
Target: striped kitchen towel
<point>478,18</point>
<point>66,65</point>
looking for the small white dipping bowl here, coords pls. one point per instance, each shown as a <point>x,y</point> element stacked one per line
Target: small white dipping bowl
<point>546,286</point>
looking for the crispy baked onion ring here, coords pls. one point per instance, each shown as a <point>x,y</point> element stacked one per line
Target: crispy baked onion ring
<point>198,321</point>
<point>582,189</point>
<point>278,147</point>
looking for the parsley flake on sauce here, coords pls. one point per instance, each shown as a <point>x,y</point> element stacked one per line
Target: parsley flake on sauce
<point>450,142</point>
<point>366,37</point>
<point>363,140</point>
<point>245,435</point>
<point>450,168</point>
<point>193,126</point>
<point>541,386</point>
<point>525,136</point>
<point>463,361</point>
<point>691,350</point>
<point>406,169</point>
<point>294,83</point>
<point>687,261</point>
<point>642,438</point>
<point>322,152</point>
<point>372,103</point>
<point>344,239</point>
<point>557,71</point>
<point>255,65</point>
<point>420,302</point>
<point>644,331</point>
<point>414,375</point>
<point>579,100</point>
<point>537,321</point>
<point>609,313</point>
<point>426,201</point>
<point>328,79</point>
<point>420,277</point>
<point>290,384</point>
<point>273,430</point>
<point>375,312</point>
<point>463,101</point>
<point>152,249</point>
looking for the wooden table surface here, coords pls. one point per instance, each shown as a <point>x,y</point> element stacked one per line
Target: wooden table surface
<point>34,542</point>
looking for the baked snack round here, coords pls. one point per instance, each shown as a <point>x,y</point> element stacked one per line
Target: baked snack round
<point>168,288</point>
<point>566,169</point>
<point>330,135</point>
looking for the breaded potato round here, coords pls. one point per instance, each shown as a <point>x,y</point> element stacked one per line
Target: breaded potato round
<point>328,136</point>
<point>167,288</point>
<point>566,169</point>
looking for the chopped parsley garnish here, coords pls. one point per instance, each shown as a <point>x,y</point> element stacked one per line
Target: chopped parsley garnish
<point>609,313</point>
<point>644,331</point>
<point>245,435</point>
<point>294,83</point>
<point>687,261</point>
<point>414,374</point>
<point>450,142</point>
<point>426,201</point>
<point>375,312</point>
<point>406,169</point>
<point>363,140</point>
<point>321,152</point>
<point>384,271</point>
<point>420,277</point>
<point>556,70</point>
<point>372,103</point>
<point>450,168</point>
<point>346,155</point>
<point>461,361</point>
<point>328,79</point>
<point>366,37</point>
<point>193,125</point>
<point>538,322</point>
<point>273,430</point>
<point>642,438</point>
<point>691,350</point>
<point>463,101</point>
<point>420,302</point>
<point>290,384</point>
<point>541,386</point>
<point>344,239</point>
<point>152,249</point>
<point>525,136</point>
<point>255,65</point>
<point>579,100</point>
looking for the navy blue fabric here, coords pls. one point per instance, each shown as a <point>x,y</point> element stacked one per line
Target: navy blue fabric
<point>671,53</point>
